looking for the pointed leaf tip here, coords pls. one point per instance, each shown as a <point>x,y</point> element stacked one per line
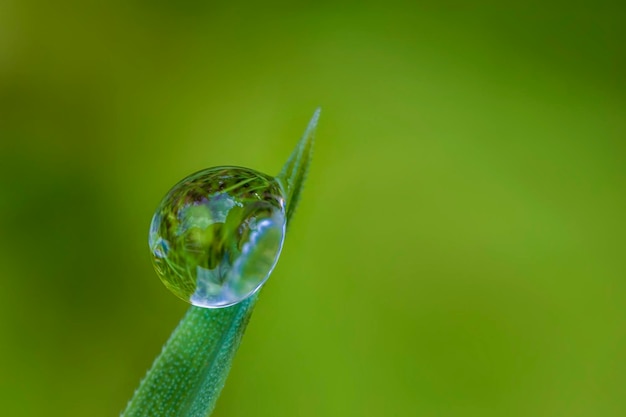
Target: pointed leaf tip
<point>294,172</point>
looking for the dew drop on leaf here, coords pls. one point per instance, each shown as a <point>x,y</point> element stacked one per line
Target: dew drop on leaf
<point>216,236</point>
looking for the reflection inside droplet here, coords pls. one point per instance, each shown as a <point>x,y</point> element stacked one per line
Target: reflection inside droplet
<point>217,235</point>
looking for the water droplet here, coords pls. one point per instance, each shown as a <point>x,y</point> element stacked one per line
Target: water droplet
<point>216,236</point>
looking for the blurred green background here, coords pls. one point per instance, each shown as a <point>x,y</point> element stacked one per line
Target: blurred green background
<point>459,250</point>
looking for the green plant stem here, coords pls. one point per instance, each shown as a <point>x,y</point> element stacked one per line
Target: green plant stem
<point>189,374</point>
<point>187,377</point>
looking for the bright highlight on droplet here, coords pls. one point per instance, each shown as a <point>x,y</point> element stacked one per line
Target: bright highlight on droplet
<point>216,236</point>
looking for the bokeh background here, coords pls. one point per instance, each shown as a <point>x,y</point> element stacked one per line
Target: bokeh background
<point>459,250</point>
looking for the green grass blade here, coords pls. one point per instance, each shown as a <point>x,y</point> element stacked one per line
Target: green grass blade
<point>294,172</point>
<point>187,377</point>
